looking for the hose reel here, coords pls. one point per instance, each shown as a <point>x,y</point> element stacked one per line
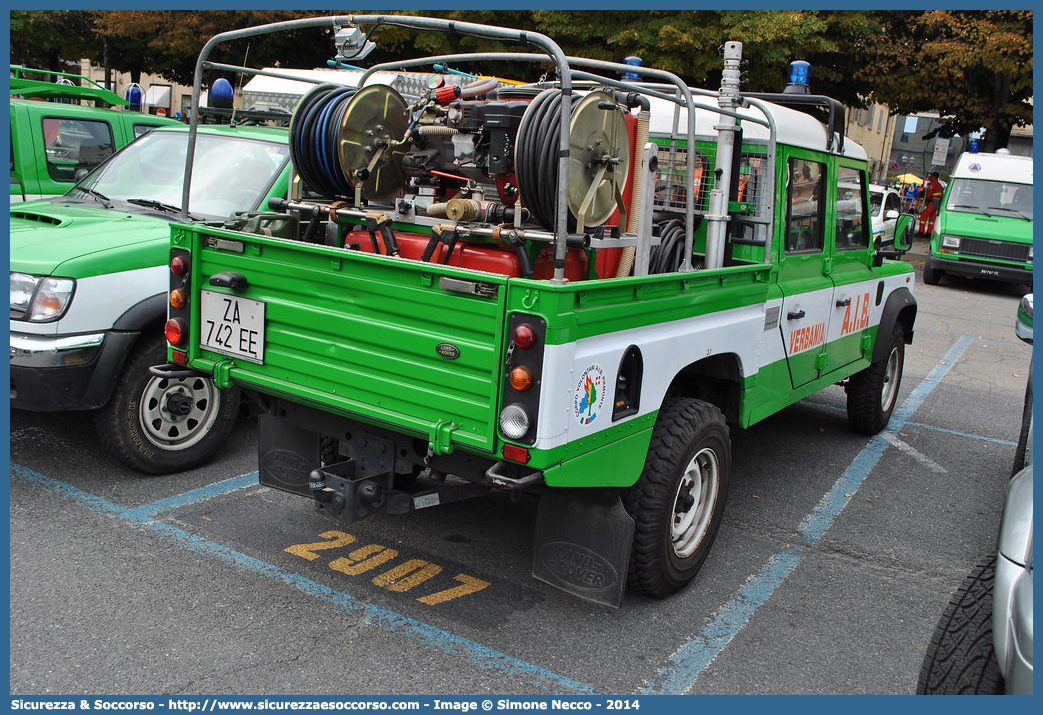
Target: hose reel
<point>313,132</point>
<point>369,142</point>
<point>599,158</point>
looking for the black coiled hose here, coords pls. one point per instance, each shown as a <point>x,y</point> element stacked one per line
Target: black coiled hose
<point>536,157</point>
<point>668,255</point>
<point>313,139</point>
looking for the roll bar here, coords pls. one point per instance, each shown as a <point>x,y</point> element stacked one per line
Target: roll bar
<point>672,88</point>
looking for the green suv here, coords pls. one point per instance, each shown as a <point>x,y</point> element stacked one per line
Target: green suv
<point>89,290</point>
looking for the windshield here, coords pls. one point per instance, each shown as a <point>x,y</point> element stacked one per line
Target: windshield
<point>230,174</point>
<point>994,198</point>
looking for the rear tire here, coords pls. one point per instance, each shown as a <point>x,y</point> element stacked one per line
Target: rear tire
<point>931,275</point>
<point>163,425</point>
<point>678,501</point>
<point>873,392</point>
<point>960,658</point>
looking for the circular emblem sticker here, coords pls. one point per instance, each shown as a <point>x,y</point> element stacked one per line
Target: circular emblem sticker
<point>448,351</point>
<point>974,167</point>
<point>589,396</point>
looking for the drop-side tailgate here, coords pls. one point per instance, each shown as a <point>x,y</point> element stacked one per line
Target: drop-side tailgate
<point>404,343</point>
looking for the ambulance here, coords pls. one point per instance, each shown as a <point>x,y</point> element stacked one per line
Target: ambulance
<point>984,228</point>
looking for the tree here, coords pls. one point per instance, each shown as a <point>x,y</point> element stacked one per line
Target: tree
<point>49,40</point>
<point>683,42</point>
<point>973,67</point>
<point>167,42</point>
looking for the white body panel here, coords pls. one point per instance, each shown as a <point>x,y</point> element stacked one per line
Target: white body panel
<point>994,167</point>
<point>667,348</point>
<point>99,301</point>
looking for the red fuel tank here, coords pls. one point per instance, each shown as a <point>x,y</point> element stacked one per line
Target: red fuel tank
<point>490,258</point>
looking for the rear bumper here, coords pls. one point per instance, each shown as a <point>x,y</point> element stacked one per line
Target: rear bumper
<point>981,269</point>
<point>72,372</point>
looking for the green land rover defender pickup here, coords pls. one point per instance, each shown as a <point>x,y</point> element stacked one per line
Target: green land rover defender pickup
<point>577,305</point>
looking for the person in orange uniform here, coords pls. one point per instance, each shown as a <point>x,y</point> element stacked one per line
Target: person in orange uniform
<point>932,201</point>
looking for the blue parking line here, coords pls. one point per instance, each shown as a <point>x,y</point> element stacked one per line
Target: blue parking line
<point>474,653</point>
<point>957,433</point>
<point>193,496</point>
<point>689,661</point>
<point>921,425</point>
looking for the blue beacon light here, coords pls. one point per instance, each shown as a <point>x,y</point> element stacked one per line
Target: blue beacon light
<point>221,94</point>
<point>134,95</point>
<point>633,62</point>
<point>799,77</point>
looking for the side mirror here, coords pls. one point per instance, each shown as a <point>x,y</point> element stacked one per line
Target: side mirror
<point>891,214</point>
<point>1023,323</point>
<point>903,238</point>
<point>79,174</point>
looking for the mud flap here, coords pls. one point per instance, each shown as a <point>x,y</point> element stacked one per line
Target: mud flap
<point>286,455</point>
<point>582,543</point>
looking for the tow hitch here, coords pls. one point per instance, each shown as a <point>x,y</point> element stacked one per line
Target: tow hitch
<point>356,496</point>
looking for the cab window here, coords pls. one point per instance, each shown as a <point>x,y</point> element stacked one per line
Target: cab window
<point>892,203</point>
<point>804,212</point>
<point>72,144</point>
<point>852,226</point>
<point>140,129</point>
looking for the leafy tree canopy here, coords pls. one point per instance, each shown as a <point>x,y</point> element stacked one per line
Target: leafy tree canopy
<point>973,67</point>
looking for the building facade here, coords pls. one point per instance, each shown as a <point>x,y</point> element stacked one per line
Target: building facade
<point>873,128</point>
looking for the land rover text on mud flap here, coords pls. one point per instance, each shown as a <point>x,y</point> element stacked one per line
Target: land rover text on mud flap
<point>573,288</point>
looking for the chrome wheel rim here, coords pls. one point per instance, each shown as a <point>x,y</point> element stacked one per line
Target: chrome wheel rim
<point>176,414</point>
<point>694,502</point>
<point>890,387</point>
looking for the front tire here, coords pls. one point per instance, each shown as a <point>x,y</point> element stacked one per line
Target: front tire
<point>873,392</point>
<point>678,501</point>
<point>163,425</point>
<point>960,658</point>
<point>931,275</point>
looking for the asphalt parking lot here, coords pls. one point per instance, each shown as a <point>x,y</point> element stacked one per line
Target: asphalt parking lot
<point>836,557</point>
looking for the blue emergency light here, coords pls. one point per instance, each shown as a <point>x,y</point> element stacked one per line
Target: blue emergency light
<point>800,74</point>
<point>221,94</point>
<point>633,62</point>
<point>134,95</point>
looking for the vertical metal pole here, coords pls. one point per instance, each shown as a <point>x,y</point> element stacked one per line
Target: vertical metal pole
<point>729,98</point>
<point>649,166</point>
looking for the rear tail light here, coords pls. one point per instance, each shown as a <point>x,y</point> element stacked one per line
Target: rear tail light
<point>515,453</point>
<point>524,336</point>
<point>514,421</point>
<point>174,331</point>
<point>522,377</point>
<point>179,314</point>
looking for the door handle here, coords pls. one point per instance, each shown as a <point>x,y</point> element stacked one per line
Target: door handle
<point>228,279</point>
<point>843,303</point>
<point>795,314</point>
